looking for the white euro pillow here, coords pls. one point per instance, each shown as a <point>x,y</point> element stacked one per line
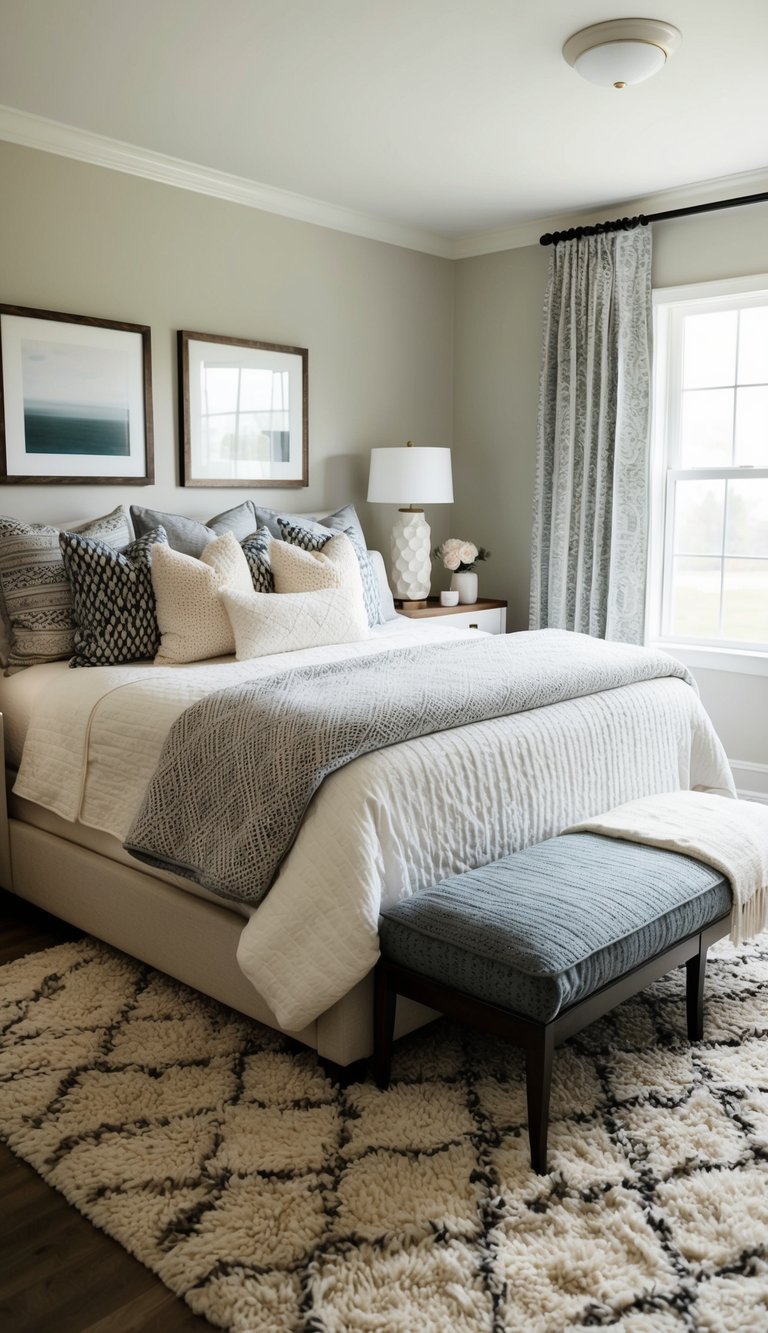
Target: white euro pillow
<point>191,617</point>
<point>265,623</point>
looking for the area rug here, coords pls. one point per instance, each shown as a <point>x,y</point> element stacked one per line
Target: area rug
<point>272,1200</point>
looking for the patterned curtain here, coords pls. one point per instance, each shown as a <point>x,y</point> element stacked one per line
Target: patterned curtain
<point>591,509</point>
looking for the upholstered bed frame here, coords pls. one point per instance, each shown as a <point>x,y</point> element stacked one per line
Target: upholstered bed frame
<point>186,936</point>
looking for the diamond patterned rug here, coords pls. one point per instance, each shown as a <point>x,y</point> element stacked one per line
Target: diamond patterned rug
<point>271,1200</point>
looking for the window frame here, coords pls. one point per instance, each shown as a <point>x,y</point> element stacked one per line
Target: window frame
<point>670,306</point>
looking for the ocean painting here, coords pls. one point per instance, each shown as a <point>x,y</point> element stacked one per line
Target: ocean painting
<point>67,428</point>
<point>76,399</point>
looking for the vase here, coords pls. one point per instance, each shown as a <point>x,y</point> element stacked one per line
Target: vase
<point>465,584</point>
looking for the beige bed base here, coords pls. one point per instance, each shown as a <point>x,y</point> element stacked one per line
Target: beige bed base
<point>188,937</point>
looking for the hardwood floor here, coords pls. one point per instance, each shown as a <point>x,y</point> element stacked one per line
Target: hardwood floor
<point>56,1270</point>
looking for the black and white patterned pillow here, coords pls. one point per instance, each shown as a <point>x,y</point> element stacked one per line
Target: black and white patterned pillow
<point>256,551</point>
<point>114,603</point>
<point>315,541</point>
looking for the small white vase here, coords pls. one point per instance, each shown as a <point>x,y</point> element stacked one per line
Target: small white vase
<point>466,585</point>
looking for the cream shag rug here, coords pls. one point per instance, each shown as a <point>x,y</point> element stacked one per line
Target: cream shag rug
<point>272,1201</point>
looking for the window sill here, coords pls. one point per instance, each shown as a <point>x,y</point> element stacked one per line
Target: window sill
<point>740,661</point>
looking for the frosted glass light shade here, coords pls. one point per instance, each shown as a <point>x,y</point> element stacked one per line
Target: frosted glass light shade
<point>410,476</point>
<point>620,52</point>
<point>616,63</point>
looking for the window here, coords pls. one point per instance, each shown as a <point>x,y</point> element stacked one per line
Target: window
<point>709,569</point>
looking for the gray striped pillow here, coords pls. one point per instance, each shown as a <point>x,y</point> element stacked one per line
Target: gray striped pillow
<point>35,595</point>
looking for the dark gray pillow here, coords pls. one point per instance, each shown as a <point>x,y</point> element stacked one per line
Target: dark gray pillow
<point>256,551</point>
<point>190,536</point>
<point>340,521</point>
<point>115,618</point>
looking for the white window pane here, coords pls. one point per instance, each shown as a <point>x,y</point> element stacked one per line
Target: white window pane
<point>695,597</point>
<point>706,435</point>
<point>219,388</point>
<point>709,349</point>
<point>217,436</point>
<point>745,600</point>
<point>751,428</point>
<point>264,389</point>
<point>747,518</point>
<point>753,346</point>
<point>699,510</point>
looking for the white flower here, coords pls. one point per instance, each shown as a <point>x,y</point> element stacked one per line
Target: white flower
<point>451,544</point>
<point>467,553</point>
<point>451,559</point>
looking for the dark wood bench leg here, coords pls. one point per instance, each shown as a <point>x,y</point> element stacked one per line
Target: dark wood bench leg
<point>384,1002</point>
<point>538,1067</point>
<point>695,969</point>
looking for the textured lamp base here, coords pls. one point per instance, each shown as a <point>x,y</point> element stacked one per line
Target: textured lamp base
<point>411,556</point>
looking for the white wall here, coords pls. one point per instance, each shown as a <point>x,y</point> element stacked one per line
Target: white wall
<point>498,316</point>
<point>377,319</point>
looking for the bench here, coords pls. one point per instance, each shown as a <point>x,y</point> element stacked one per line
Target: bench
<point>535,946</point>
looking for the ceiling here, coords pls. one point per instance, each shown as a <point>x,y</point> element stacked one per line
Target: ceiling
<point>451,117</point>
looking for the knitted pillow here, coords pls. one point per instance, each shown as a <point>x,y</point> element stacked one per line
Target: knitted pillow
<point>113,599</point>
<point>256,549</point>
<point>308,540</point>
<point>35,596</point>
<point>335,566</point>
<point>190,614</point>
<point>264,624</point>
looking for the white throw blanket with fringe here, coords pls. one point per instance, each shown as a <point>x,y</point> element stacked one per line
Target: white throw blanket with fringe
<point>731,836</point>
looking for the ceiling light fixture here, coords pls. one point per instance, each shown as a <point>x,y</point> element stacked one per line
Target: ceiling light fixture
<point>621,51</point>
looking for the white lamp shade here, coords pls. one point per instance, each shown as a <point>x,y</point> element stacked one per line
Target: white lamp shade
<point>410,476</point>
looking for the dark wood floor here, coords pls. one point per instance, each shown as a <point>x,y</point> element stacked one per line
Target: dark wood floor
<point>57,1272</point>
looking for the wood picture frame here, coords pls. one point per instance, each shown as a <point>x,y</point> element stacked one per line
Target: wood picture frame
<point>243,412</point>
<point>75,400</point>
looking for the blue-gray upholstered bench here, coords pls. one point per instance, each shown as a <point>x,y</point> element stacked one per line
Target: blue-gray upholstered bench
<point>539,944</point>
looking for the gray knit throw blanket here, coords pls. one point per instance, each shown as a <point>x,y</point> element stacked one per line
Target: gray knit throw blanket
<point>240,767</point>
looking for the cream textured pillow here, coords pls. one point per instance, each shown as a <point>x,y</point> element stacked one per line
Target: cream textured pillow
<point>192,619</point>
<point>266,623</point>
<point>297,570</point>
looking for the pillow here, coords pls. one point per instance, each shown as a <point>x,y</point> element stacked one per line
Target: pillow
<point>36,598</point>
<point>386,600</point>
<point>189,536</point>
<point>340,521</point>
<point>114,603</point>
<point>315,541</point>
<point>190,614</point>
<point>256,548</point>
<point>335,566</point>
<point>263,623</point>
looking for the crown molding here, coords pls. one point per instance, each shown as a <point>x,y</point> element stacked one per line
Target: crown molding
<point>51,136</point>
<point>528,233</point>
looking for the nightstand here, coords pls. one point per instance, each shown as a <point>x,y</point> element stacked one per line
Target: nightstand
<point>487,614</point>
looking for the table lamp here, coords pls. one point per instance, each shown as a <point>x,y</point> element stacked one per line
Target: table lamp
<point>411,477</point>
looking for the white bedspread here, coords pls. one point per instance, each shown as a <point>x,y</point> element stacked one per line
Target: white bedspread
<point>390,823</point>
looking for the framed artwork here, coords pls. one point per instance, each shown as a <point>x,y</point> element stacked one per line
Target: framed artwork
<point>243,411</point>
<point>76,397</point>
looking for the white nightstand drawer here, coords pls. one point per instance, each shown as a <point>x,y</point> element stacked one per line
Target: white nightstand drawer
<point>486,614</point>
<point>492,620</point>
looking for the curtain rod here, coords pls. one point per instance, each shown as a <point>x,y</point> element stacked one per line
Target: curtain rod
<point>642,219</point>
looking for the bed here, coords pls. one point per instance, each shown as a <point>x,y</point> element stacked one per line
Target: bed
<point>81,747</point>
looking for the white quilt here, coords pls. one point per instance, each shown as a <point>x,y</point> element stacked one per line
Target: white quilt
<point>391,822</point>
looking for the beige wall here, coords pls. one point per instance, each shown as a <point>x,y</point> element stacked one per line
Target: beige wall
<point>377,319</point>
<point>498,317</point>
